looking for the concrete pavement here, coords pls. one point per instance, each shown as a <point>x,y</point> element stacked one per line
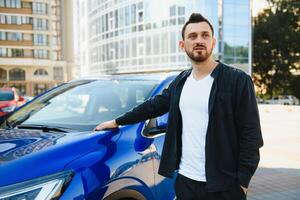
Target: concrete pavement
<point>278,174</point>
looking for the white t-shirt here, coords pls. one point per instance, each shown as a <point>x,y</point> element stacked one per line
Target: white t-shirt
<point>194,111</point>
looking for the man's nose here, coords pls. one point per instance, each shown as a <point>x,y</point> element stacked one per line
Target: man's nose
<point>199,40</point>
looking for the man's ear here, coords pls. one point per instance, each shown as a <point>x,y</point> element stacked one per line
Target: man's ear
<point>214,42</point>
<point>181,45</point>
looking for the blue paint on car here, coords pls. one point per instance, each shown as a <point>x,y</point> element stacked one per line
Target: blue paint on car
<point>48,148</point>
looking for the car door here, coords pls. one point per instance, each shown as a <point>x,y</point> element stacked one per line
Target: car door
<point>132,170</point>
<point>164,186</point>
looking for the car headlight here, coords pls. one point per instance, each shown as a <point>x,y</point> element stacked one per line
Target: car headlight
<point>9,108</point>
<point>48,187</point>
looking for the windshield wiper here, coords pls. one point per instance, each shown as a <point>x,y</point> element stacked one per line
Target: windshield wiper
<point>44,128</point>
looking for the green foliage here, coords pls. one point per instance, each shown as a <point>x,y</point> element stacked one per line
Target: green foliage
<point>235,54</point>
<point>276,47</point>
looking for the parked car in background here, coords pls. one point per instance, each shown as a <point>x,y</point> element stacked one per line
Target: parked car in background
<point>259,100</point>
<point>9,100</point>
<point>48,149</point>
<point>283,100</point>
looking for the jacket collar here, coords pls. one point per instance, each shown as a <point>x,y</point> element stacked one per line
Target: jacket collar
<point>216,70</point>
<point>213,74</point>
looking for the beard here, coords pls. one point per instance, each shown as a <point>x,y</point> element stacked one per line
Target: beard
<point>199,56</point>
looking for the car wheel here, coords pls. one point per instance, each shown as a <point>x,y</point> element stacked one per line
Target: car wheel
<point>127,199</point>
<point>126,194</point>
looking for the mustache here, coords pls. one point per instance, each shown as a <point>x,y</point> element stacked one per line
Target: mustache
<point>199,46</point>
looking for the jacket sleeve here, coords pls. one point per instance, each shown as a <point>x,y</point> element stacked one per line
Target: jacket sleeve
<point>248,127</point>
<point>153,107</point>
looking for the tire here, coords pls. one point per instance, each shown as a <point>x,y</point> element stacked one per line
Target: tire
<point>127,199</point>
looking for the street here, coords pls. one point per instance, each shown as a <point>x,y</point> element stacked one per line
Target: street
<point>278,175</point>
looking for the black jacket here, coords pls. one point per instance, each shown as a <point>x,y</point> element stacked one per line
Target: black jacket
<point>233,135</point>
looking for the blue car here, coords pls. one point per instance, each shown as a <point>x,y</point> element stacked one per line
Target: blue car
<point>48,149</point>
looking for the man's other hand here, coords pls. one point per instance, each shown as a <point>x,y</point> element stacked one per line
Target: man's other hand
<point>106,125</point>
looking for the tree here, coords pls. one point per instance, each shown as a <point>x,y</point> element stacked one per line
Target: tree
<point>276,46</point>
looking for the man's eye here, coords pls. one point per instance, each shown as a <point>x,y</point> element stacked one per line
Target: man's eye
<point>205,35</point>
<point>192,36</point>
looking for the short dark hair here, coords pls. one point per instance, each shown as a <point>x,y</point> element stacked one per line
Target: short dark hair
<point>196,18</point>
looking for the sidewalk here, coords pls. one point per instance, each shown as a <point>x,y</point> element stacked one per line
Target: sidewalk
<point>278,175</point>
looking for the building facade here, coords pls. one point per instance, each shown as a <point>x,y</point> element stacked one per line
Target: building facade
<point>36,44</point>
<point>129,36</point>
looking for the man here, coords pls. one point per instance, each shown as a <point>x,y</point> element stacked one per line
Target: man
<point>213,135</point>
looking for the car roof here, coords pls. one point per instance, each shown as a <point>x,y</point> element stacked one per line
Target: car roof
<point>6,89</point>
<point>138,76</point>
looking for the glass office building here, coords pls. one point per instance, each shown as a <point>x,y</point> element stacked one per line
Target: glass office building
<point>127,36</point>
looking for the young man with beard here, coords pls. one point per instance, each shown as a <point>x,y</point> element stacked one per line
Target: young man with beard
<point>213,135</point>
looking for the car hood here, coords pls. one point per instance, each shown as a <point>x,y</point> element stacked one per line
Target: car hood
<point>44,153</point>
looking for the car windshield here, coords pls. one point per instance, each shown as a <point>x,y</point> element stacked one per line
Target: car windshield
<point>6,95</point>
<point>82,105</point>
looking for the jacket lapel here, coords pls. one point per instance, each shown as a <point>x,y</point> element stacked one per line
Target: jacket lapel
<point>214,87</point>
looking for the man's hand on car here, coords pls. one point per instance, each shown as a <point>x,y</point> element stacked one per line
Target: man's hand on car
<point>106,125</point>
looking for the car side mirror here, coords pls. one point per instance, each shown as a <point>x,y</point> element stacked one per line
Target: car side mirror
<point>155,127</point>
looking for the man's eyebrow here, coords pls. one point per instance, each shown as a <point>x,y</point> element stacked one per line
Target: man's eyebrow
<point>192,33</point>
<point>201,32</point>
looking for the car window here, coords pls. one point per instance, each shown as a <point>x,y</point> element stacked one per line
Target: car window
<point>6,96</point>
<point>83,106</point>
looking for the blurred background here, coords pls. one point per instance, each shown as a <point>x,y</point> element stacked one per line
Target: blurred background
<point>47,42</point>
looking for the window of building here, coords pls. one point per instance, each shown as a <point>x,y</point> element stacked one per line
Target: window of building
<point>19,20</point>
<point>39,88</point>
<point>26,4</point>
<point>3,74</point>
<point>17,52</point>
<point>181,10</point>
<point>40,24</point>
<point>140,5</point>
<point>3,52</point>
<point>40,53</point>
<point>41,72</point>
<point>54,40</point>
<point>26,20</point>
<point>140,16</point>
<point>28,53</point>
<point>17,74</point>
<point>14,19</point>
<point>173,11</point>
<point>127,15</point>
<point>11,3</point>
<point>181,20</point>
<point>14,36</point>
<point>58,73</point>
<point>164,43</point>
<point>39,8</point>
<point>2,3</point>
<point>8,19</point>
<point>173,42</point>
<point>21,88</point>
<point>27,36</point>
<point>2,19</point>
<point>2,35</point>
<point>156,47</point>
<point>40,39</point>
<point>133,14</point>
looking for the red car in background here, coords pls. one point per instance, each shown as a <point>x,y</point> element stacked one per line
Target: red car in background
<point>9,100</point>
